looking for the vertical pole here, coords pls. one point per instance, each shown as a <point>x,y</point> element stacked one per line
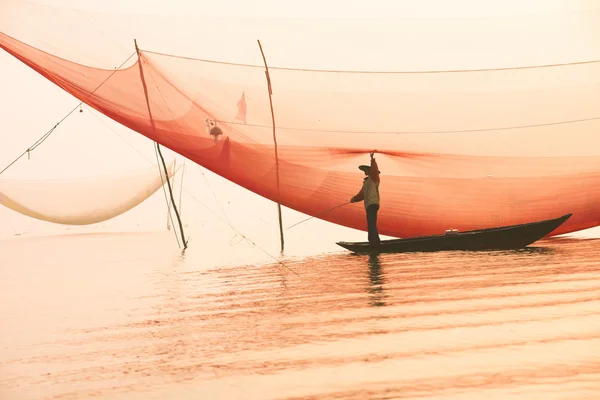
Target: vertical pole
<point>181,186</point>
<point>274,141</point>
<point>169,202</point>
<point>157,145</point>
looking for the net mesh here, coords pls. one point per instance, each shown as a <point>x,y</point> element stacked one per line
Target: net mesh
<point>82,201</point>
<point>461,148</point>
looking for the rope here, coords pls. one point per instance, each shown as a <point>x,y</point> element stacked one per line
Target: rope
<point>47,134</point>
<point>208,184</point>
<point>117,133</point>
<point>414,72</point>
<point>157,164</point>
<point>143,79</point>
<point>318,215</point>
<point>248,240</point>
<point>251,242</point>
<point>226,221</point>
<point>149,161</point>
<point>175,119</point>
<point>159,153</point>
<point>32,147</point>
<point>505,128</point>
<point>213,193</point>
<point>239,233</point>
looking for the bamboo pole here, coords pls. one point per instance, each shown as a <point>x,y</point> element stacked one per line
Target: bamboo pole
<point>181,186</point>
<point>158,145</point>
<point>275,142</point>
<point>169,202</point>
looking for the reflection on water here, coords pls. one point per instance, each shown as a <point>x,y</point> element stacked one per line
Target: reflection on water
<point>376,281</point>
<point>135,322</point>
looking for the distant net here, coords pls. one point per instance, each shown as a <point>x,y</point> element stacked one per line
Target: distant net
<point>82,201</point>
<point>457,149</point>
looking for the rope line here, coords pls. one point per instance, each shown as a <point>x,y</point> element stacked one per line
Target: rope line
<point>31,148</point>
<point>413,72</point>
<point>248,240</point>
<point>214,194</point>
<point>47,134</point>
<point>80,104</point>
<point>226,221</point>
<point>239,233</point>
<point>573,121</point>
<point>157,164</point>
<point>319,214</point>
<point>93,112</point>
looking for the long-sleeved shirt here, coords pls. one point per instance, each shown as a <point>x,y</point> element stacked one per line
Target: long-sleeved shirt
<point>370,188</point>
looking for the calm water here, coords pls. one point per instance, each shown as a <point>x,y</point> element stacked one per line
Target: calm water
<point>119,317</point>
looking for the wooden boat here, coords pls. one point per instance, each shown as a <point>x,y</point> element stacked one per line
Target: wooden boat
<point>502,238</point>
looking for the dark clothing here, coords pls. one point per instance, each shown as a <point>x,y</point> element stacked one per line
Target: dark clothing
<point>372,223</point>
<point>369,193</point>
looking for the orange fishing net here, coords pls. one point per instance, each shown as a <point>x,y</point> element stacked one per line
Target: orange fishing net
<point>456,149</point>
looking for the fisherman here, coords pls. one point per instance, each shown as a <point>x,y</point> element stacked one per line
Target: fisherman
<point>370,194</point>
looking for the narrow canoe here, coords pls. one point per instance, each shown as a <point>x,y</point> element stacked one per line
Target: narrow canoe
<point>501,238</point>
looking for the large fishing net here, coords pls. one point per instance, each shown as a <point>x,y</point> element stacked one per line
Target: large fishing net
<point>457,148</point>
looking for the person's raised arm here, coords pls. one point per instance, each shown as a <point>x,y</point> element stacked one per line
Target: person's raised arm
<point>374,169</point>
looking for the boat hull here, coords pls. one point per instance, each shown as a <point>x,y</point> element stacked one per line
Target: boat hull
<point>502,238</point>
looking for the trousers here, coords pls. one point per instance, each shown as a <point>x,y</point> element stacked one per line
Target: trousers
<point>372,223</point>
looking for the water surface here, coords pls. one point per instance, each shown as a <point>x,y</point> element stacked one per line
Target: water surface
<point>117,316</point>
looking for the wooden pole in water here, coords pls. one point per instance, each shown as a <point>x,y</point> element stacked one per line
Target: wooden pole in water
<point>181,186</point>
<point>274,141</point>
<point>169,202</point>
<point>158,145</point>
